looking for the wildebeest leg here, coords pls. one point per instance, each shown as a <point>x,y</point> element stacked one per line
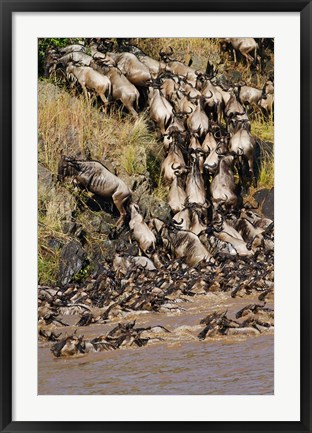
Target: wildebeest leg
<point>105,102</point>
<point>219,113</point>
<point>85,92</point>
<point>251,172</point>
<point>128,104</point>
<point>132,105</point>
<point>249,57</point>
<point>234,56</point>
<point>119,200</point>
<point>239,166</point>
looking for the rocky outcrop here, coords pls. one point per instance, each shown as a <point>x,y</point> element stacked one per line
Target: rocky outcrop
<point>265,198</point>
<point>73,259</point>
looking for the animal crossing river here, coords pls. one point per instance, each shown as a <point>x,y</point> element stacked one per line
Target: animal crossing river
<point>178,364</point>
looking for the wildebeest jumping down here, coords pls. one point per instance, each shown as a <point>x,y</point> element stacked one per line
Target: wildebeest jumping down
<point>99,180</point>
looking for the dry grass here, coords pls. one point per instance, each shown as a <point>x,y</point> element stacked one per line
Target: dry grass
<point>184,48</point>
<point>53,210</point>
<point>48,264</point>
<point>266,172</point>
<point>264,130</point>
<point>262,127</point>
<point>72,125</point>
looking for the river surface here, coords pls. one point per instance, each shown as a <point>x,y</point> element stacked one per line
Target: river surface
<point>178,364</point>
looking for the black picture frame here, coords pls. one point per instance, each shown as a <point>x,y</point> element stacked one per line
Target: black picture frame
<point>7,9</point>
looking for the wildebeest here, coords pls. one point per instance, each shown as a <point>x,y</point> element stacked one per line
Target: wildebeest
<point>173,161</point>
<point>197,121</point>
<point>95,177</point>
<point>89,79</point>
<point>122,89</point>
<point>140,230</point>
<point>74,57</point>
<point>213,100</point>
<point>181,243</point>
<point>177,67</point>
<point>177,194</point>
<point>245,46</point>
<point>136,72</point>
<point>72,48</point>
<point>223,188</point>
<point>160,110</point>
<point>243,144</point>
<point>195,186</point>
<point>214,151</point>
<point>235,114</point>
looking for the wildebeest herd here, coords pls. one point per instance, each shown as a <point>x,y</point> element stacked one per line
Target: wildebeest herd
<point>214,240</point>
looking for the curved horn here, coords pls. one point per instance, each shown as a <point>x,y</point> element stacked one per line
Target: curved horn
<point>214,165</point>
<point>190,111</point>
<point>209,97</point>
<point>176,168</point>
<point>178,222</point>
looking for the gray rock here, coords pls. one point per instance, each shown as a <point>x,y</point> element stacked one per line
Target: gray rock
<point>233,76</point>
<point>140,185</point>
<point>133,249</point>
<point>97,222</point>
<point>268,205</point>
<point>64,203</point>
<point>109,249</point>
<point>73,259</point>
<point>261,195</point>
<point>71,227</point>
<point>160,209</point>
<point>45,177</point>
<point>55,243</point>
<point>265,198</point>
<point>198,63</point>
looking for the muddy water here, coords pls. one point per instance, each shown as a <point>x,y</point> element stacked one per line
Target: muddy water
<point>174,363</point>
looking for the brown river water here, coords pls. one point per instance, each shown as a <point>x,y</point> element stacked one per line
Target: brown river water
<point>180,364</point>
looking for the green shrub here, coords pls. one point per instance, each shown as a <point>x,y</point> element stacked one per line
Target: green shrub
<point>45,43</point>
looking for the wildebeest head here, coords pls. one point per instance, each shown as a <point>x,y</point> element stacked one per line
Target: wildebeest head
<point>105,45</point>
<point>50,61</point>
<point>65,168</point>
<point>166,56</point>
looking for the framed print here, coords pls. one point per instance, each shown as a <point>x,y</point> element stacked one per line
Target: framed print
<point>155,216</point>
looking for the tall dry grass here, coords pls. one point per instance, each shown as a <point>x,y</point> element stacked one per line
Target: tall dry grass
<point>183,48</point>
<point>70,124</point>
<point>263,128</point>
<point>266,172</point>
